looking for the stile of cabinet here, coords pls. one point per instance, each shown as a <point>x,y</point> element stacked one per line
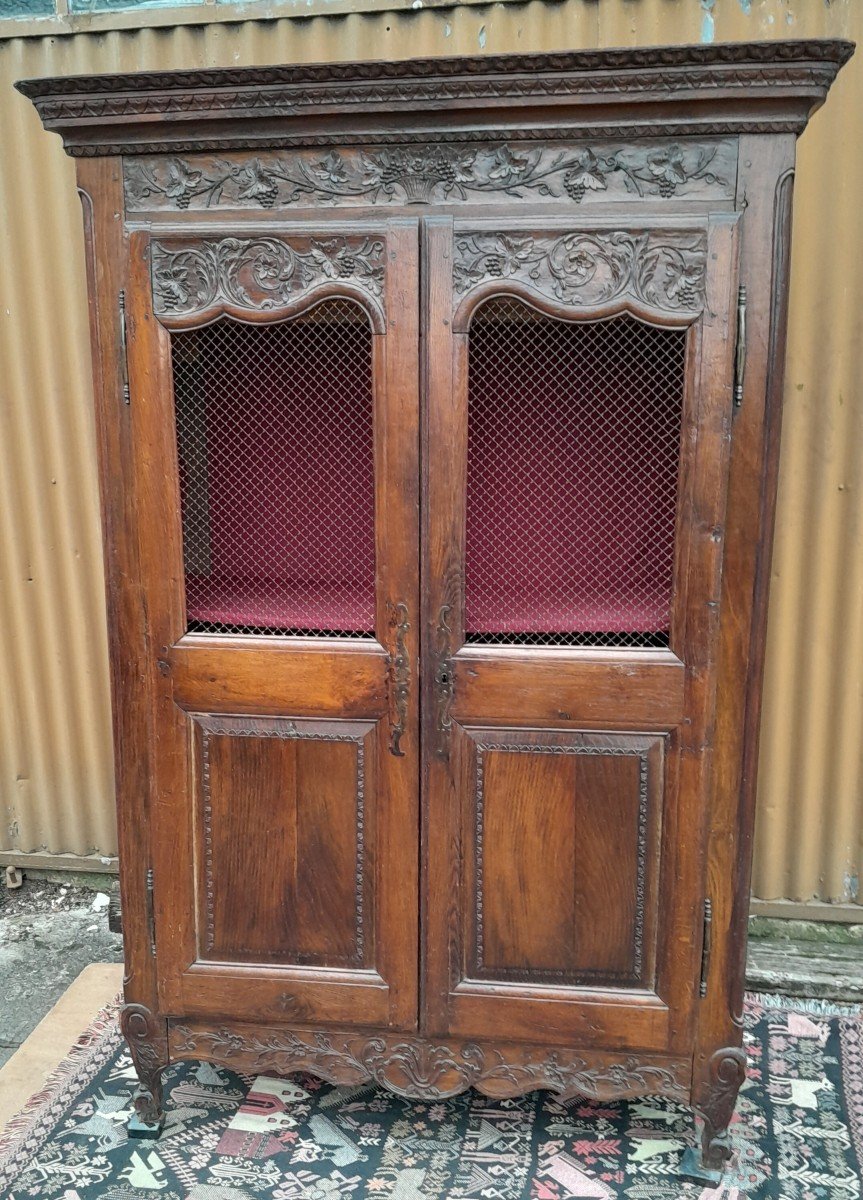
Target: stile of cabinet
<point>438,429</point>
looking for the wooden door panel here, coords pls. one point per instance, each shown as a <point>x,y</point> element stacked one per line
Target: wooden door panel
<point>576,461</point>
<point>279,547</point>
<point>237,675</point>
<point>629,689</point>
<point>564,831</point>
<point>283,810</point>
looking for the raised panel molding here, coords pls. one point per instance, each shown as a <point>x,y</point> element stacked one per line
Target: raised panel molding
<point>430,1070</point>
<point>431,173</point>
<point>594,745</point>
<point>664,271</point>
<point>203,276</point>
<point>211,725</point>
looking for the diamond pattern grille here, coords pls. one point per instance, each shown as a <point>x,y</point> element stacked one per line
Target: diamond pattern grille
<point>573,450</point>
<point>275,442</point>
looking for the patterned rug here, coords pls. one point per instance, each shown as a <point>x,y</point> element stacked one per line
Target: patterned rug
<point>798,1134</point>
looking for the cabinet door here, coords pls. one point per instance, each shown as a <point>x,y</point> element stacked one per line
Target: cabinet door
<point>274,386</point>
<point>578,406</point>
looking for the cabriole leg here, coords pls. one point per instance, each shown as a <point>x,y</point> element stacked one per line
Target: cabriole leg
<point>715,1104</point>
<point>148,1044</point>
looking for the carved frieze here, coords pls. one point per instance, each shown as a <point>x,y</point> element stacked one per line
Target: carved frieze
<point>424,174</point>
<point>202,274</point>
<point>428,1070</point>
<point>663,270</point>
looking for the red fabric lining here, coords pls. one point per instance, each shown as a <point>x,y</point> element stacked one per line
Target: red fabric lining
<point>573,448</point>
<point>277,473</point>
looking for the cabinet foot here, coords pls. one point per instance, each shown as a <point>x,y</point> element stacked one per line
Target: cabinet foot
<point>691,1168</point>
<point>715,1102</point>
<point>148,1119</point>
<point>147,1037</point>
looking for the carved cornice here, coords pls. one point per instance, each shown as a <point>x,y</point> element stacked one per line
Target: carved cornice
<point>430,173</point>
<point>576,133</point>
<point>219,104</point>
<point>202,277</point>
<point>470,72</point>
<point>427,1070</point>
<point>663,272</point>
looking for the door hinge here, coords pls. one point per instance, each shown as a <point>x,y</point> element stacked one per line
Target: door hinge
<point>151,911</point>
<point>124,366</point>
<point>706,945</point>
<point>740,346</point>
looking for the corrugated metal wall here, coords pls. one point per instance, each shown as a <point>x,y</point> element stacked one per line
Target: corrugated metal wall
<point>55,758</point>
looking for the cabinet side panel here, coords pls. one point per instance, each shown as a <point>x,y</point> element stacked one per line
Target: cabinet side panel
<point>766,164</point>
<point>101,191</point>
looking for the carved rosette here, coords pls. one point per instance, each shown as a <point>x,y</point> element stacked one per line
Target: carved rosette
<point>425,174</point>
<point>201,275</point>
<point>664,271</point>
<point>426,1070</point>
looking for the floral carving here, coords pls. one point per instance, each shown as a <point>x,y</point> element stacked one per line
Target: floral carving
<point>426,1070</point>
<point>664,271</point>
<point>426,173</point>
<point>257,273</point>
<point>399,667</point>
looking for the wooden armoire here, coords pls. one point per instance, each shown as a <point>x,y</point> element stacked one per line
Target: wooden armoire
<point>438,410</point>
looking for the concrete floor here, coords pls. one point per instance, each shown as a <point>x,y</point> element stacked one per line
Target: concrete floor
<point>33,1062</point>
<point>49,932</point>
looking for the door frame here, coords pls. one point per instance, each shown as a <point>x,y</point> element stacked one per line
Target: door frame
<point>367,688</point>
<point>677,696</point>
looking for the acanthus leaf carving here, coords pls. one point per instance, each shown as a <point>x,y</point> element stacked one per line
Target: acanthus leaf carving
<point>423,174</point>
<point>663,271</point>
<point>259,273</point>
<point>426,1070</point>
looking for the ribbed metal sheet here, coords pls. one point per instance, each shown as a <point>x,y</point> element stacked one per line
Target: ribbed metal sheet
<point>55,757</point>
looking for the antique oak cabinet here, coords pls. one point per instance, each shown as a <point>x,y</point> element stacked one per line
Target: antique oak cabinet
<point>438,411</point>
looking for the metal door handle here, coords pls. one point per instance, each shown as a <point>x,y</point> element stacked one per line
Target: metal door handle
<point>400,680</point>
<point>444,673</point>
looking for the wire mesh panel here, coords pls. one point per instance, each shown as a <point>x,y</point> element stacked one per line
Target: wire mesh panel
<point>573,452</point>
<point>275,442</point>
